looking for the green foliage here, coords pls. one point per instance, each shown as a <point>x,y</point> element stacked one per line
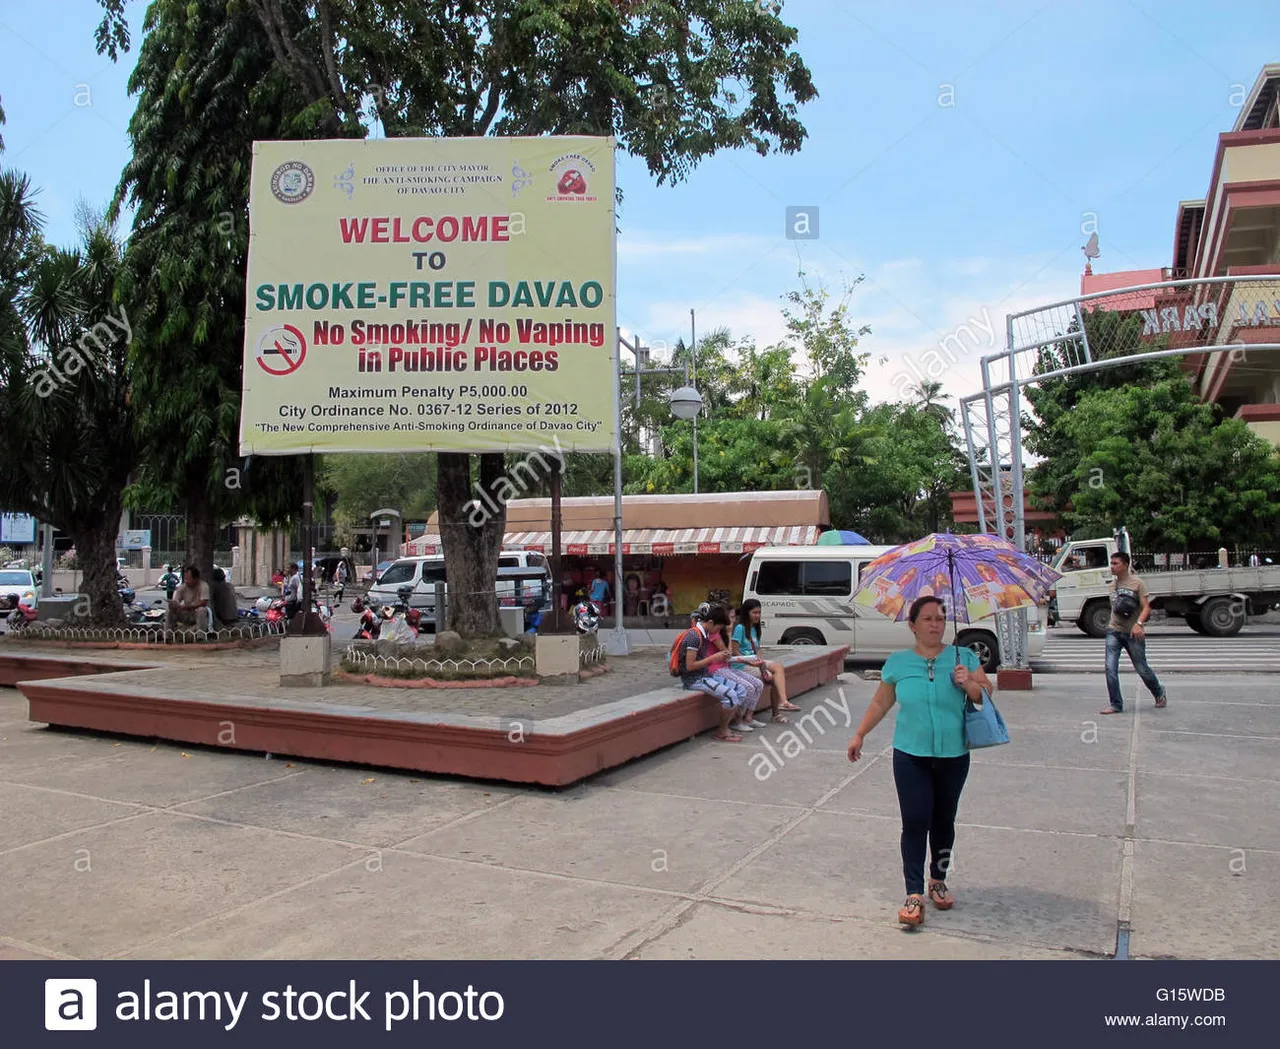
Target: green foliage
<point>1159,461</point>
<point>365,483</point>
<point>66,445</point>
<point>1133,445</point>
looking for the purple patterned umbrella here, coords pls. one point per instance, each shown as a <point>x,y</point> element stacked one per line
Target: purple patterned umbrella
<point>976,576</point>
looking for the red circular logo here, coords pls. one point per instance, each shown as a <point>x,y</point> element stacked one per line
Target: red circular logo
<point>281,350</point>
<point>572,182</point>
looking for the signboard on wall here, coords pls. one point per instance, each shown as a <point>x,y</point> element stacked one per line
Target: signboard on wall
<point>17,528</point>
<point>431,295</point>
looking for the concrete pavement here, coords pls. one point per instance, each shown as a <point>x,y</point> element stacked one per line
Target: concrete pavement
<point>775,848</point>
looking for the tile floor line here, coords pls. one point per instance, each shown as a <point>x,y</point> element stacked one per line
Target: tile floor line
<point>32,948</point>
<point>73,833</point>
<point>224,915</point>
<point>665,923</point>
<point>466,817</point>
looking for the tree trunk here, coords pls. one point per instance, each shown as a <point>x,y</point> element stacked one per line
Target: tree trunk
<point>472,526</point>
<point>202,525</point>
<point>95,542</point>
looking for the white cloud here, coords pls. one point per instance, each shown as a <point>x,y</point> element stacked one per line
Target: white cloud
<point>912,306</point>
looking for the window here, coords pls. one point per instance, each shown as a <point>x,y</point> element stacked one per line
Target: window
<point>537,561</point>
<point>432,574</point>
<point>828,578</point>
<point>779,577</point>
<point>508,562</point>
<point>399,573</point>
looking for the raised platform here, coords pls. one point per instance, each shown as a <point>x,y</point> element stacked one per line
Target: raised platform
<point>342,724</point>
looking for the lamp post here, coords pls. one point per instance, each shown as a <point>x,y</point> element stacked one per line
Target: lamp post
<point>686,403</point>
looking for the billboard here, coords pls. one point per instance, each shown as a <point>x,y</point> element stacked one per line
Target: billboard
<point>17,528</point>
<point>431,295</point>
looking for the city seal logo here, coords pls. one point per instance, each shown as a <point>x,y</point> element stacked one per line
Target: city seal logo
<point>293,182</point>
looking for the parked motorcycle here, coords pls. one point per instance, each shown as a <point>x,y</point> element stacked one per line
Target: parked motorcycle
<point>21,616</point>
<point>370,625</point>
<point>400,622</point>
<point>127,593</point>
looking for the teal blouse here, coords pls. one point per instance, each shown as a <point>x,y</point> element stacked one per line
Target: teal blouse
<point>743,638</point>
<point>930,713</point>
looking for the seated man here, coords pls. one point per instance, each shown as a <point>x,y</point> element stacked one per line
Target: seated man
<point>226,613</point>
<point>190,603</point>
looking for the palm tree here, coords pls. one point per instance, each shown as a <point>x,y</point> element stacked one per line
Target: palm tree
<point>930,399</point>
<point>66,445</point>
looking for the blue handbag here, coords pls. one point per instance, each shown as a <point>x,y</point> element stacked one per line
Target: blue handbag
<point>983,726</point>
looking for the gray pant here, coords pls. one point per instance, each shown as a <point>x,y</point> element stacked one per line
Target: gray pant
<point>200,617</point>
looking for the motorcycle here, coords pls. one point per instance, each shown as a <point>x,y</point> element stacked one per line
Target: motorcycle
<point>127,593</point>
<point>370,625</point>
<point>401,623</point>
<point>22,615</point>
<point>586,613</point>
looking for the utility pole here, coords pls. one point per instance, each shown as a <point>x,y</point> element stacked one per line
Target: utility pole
<point>693,354</point>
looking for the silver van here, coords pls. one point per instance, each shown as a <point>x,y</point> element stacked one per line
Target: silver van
<point>423,572</point>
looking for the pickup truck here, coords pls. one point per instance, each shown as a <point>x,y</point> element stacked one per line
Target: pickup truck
<point>1213,601</point>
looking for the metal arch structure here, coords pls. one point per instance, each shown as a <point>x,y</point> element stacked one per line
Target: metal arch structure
<point>1202,316</point>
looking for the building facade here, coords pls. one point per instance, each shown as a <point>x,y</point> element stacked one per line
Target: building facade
<point>1233,231</point>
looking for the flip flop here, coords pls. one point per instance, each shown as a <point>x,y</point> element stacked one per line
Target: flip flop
<point>787,706</point>
<point>1110,710</point>
<point>781,719</point>
<point>729,737</point>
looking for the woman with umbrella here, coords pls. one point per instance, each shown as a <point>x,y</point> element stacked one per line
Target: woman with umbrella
<point>931,681</point>
<point>930,760</point>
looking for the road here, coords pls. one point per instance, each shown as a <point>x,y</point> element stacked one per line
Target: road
<point>1256,649</point>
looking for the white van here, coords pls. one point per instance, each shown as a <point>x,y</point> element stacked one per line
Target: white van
<point>423,572</point>
<point>806,598</point>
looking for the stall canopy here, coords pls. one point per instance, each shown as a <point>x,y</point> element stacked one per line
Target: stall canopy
<point>661,525</point>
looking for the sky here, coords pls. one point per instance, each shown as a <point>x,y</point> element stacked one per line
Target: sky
<point>958,156</point>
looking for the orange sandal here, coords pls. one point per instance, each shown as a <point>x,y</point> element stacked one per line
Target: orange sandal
<point>941,895</point>
<point>912,912</point>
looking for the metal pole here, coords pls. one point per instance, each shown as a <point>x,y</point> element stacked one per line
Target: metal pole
<point>693,356</point>
<point>617,644</point>
<point>46,562</point>
<point>557,618</point>
<point>308,505</point>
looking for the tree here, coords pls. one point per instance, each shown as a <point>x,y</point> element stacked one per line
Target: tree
<point>931,401</point>
<point>66,446</point>
<point>673,83</point>
<point>1159,461</point>
<point>365,483</point>
<point>208,87</point>
<point>1111,334</point>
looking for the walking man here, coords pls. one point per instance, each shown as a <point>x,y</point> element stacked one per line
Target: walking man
<point>1130,609</point>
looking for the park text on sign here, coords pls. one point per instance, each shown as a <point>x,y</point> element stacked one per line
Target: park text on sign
<point>430,295</point>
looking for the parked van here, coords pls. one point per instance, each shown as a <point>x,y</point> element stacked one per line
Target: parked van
<point>806,598</point>
<point>423,572</point>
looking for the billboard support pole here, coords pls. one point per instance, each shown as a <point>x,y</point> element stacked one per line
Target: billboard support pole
<point>46,561</point>
<point>557,586</point>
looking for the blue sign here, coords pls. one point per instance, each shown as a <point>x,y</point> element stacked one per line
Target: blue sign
<point>135,539</point>
<point>17,528</point>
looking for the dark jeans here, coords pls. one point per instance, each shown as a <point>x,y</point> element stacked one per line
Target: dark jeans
<point>1137,649</point>
<point>928,795</point>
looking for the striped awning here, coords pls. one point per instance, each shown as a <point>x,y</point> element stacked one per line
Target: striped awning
<point>652,541</point>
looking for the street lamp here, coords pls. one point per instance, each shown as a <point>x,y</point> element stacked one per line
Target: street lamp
<point>686,403</point>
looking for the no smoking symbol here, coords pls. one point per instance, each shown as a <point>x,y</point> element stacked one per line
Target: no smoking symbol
<point>281,350</point>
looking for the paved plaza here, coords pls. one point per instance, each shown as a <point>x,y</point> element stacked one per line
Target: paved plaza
<point>1159,823</point>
